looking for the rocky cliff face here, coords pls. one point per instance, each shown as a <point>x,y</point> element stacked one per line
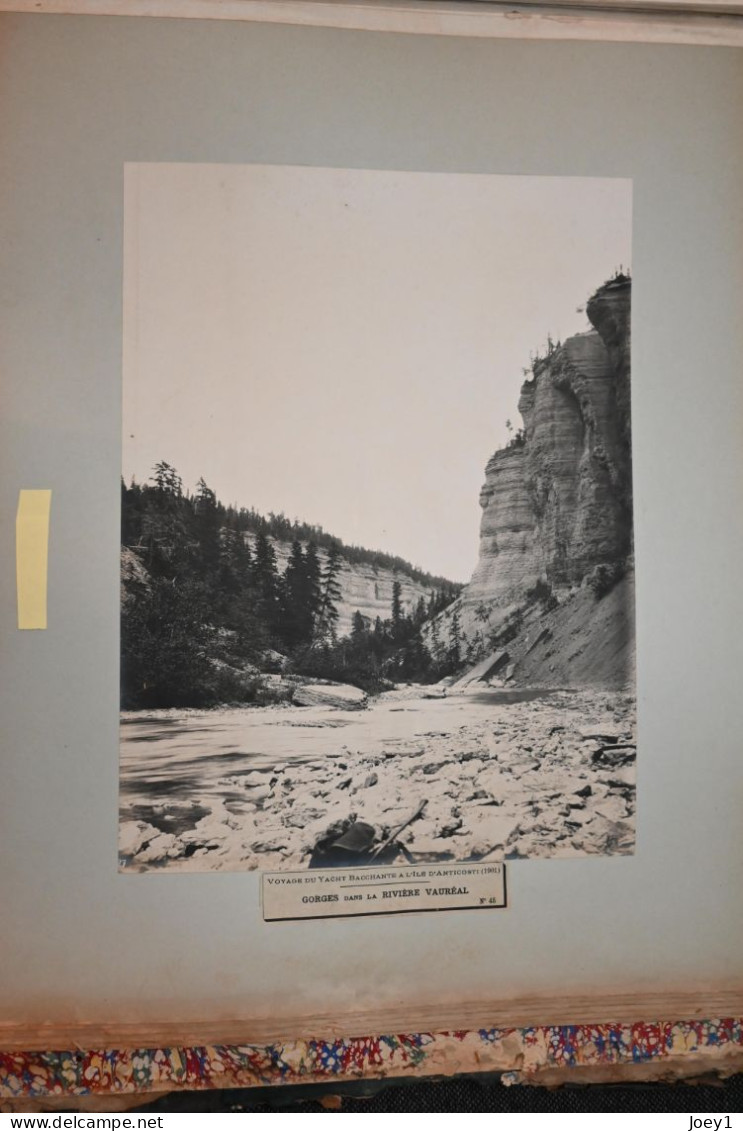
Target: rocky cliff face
<point>557,502</point>
<point>369,589</point>
<point>364,587</point>
<point>556,531</point>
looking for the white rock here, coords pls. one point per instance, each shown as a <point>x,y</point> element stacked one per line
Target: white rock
<point>339,695</point>
<point>133,835</point>
<point>484,849</point>
<point>260,793</point>
<point>161,847</point>
<point>612,808</point>
<point>254,779</point>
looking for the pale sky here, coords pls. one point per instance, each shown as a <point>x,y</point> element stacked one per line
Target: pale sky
<point>346,345</point>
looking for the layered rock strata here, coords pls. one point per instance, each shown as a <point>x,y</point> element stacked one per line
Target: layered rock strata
<point>364,588</point>
<point>557,502</point>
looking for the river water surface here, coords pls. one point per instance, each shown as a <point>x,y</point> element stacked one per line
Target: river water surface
<point>168,756</point>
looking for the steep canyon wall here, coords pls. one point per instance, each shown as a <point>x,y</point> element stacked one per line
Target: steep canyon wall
<point>364,587</point>
<point>557,501</point>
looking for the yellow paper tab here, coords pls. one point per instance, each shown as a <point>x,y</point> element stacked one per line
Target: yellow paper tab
<point>31,555</point>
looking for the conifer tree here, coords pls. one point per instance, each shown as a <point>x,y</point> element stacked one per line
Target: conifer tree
<point>396,608</point>
<point>455,642</point>
<point>312,592</point>
<point>199,604</point>
<point>131,513</point>
<point>437,648</point>
<point>293,596</point>
<point>167,480</point>
<point>165,514</point>
<point>331,595</point>
<point>207,524</point>
<point>266,581</point>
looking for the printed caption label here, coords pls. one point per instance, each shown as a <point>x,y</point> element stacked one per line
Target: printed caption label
<point>326,893</point>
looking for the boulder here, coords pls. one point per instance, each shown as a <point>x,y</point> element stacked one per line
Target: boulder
<point>407,751</point>
<point>268,846</point>
<point>614,755</point>
<point>605,734</point>
<point>483,671</point>
<point>602,836</point>
<point>274,662</point>
<point>300,818</point>
<point>340,696</point>
<point>484,849</point>
<point>450,827</point>
<point>433,767</point>
<point>480,795</point>
<point>612,808</point>
<point>255,778</point>
<point>619,777</point>
<point>259,793</point>
<point>134,835</point>
<point>161,847</point>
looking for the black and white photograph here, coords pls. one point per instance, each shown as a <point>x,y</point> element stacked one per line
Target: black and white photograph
<point>377,569</point>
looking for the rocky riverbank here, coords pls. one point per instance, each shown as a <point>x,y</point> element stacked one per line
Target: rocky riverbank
<point>505,774</point>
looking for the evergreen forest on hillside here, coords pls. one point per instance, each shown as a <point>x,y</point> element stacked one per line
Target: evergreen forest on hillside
<point>206,609</point>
